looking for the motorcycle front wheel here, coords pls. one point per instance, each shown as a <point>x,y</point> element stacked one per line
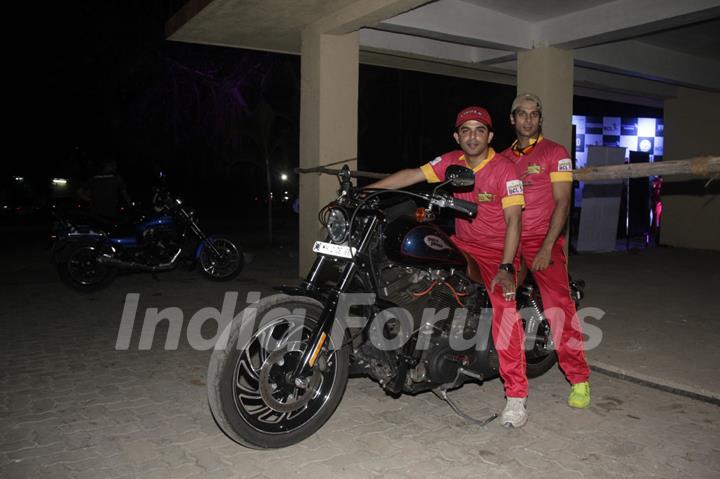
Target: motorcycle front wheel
<point>82,272</point>
<point>251,391</point>
<point>224,265</point>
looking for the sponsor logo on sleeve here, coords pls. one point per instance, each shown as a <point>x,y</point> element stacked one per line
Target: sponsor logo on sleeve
<point>436,161</point>
<point>514,187</point>
<point>565,165</point>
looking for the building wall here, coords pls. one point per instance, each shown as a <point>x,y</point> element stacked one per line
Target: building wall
<point>691,212</point>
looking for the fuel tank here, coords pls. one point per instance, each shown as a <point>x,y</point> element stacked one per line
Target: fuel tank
<point>412,243</point>
<point>155,221</point>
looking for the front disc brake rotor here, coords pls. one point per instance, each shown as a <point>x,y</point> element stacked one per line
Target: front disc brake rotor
<point>300,395</point>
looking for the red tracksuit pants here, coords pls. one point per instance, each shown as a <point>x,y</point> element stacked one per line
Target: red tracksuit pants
<point>559,308</point>
<point>507,330</point>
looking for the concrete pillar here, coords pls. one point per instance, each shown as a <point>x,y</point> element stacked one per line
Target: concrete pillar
<point>691,211</point>
<point>328,125</point>
<point>548,73</point>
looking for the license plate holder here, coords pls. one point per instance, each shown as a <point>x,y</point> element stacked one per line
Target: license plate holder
<point>334,250</point>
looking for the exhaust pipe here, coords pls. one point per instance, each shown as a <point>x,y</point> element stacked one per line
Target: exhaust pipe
<point>108,260</point>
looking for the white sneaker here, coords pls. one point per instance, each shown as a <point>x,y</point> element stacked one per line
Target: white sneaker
<point>515,413</point>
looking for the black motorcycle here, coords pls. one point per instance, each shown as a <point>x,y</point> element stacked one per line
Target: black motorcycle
<point>89,251</point>
<point>390,297</point>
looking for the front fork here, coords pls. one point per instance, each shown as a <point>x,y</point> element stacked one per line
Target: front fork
<point>203,238</point>
<point>327,318</point>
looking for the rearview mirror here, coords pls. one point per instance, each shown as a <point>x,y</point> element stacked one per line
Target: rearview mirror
<point>344,174</point>
<point>460,176</point>
<point>344,179</point>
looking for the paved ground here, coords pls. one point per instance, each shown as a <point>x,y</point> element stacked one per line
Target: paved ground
<point>661,315</point>
<point>73,406</point>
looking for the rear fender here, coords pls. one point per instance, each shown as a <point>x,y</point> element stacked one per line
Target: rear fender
<point>62,249</point>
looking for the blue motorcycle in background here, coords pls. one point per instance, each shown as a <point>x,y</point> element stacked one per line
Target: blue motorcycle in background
<point>90,251</point>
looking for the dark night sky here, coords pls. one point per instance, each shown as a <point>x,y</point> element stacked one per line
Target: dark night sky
<point>78,57</point>
<point>96,80</point>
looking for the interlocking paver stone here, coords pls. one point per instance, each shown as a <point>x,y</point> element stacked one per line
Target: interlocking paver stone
<point>73,406</point>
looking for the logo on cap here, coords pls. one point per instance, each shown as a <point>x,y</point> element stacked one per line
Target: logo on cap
<point>476,113</point>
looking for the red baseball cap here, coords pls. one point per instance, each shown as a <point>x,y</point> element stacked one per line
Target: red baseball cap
<point>477,113</point>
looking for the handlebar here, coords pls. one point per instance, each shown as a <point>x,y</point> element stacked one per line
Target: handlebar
<point>444,201</point>
<point>439,198</point>
<point>467,207</point>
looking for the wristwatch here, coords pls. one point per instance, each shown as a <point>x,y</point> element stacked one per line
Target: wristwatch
<point>507,267</point>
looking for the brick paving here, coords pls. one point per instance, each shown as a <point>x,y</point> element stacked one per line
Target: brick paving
<point>73,406</point>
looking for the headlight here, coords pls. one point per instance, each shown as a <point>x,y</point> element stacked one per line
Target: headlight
<point>337,225</point>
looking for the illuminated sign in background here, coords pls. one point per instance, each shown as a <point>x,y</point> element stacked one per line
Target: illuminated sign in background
<point>634,134</point>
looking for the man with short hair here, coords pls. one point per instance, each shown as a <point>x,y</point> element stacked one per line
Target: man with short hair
<point>491,238</point>
<point>546,170</point>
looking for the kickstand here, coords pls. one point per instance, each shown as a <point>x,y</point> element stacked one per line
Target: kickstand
<point>442,394</point>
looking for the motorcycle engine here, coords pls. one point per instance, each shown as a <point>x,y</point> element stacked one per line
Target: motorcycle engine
<point>422,292</point>
<point>160,242</point>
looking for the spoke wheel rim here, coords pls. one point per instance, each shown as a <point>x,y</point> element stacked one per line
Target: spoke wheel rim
<point>225,264</point>
<point>84,268</point>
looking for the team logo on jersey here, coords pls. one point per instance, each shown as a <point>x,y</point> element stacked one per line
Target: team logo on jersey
<point>485,197</point>
<point>565,165</point>
<point>514,187</point>
<point>533,169</point>
<point>436,161</point>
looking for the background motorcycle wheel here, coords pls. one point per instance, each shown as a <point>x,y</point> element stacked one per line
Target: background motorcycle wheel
<point>238,385</point>
<point>224,268</point>
<point>82,272</point>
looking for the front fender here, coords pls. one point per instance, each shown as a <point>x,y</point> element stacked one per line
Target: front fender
<point>201,245</point>
<point>318,295</point>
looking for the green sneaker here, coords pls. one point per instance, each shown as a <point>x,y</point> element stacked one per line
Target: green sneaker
<point>579,395</point>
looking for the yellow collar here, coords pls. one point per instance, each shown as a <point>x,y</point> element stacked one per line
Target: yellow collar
<point>481,165</point>
<point>520,151</point>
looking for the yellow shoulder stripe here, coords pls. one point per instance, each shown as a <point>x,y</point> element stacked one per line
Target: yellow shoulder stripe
<point>514,200</point>
<point>429,173</point>
<point>556,176</point>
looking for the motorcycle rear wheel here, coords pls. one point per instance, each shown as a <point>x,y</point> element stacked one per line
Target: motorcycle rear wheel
<point>250,391</point>
<point>541,356</point>
<point>82,272</point>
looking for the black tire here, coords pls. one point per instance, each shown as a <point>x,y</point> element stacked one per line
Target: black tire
<point>538,357</point>
<point>540,366</point>
<point>82,272</point>
<point>235,377</point>
<point>224,268</point>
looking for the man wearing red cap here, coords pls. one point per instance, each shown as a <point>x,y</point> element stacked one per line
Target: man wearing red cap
<point>546,170</point>
<point>491,238</point>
